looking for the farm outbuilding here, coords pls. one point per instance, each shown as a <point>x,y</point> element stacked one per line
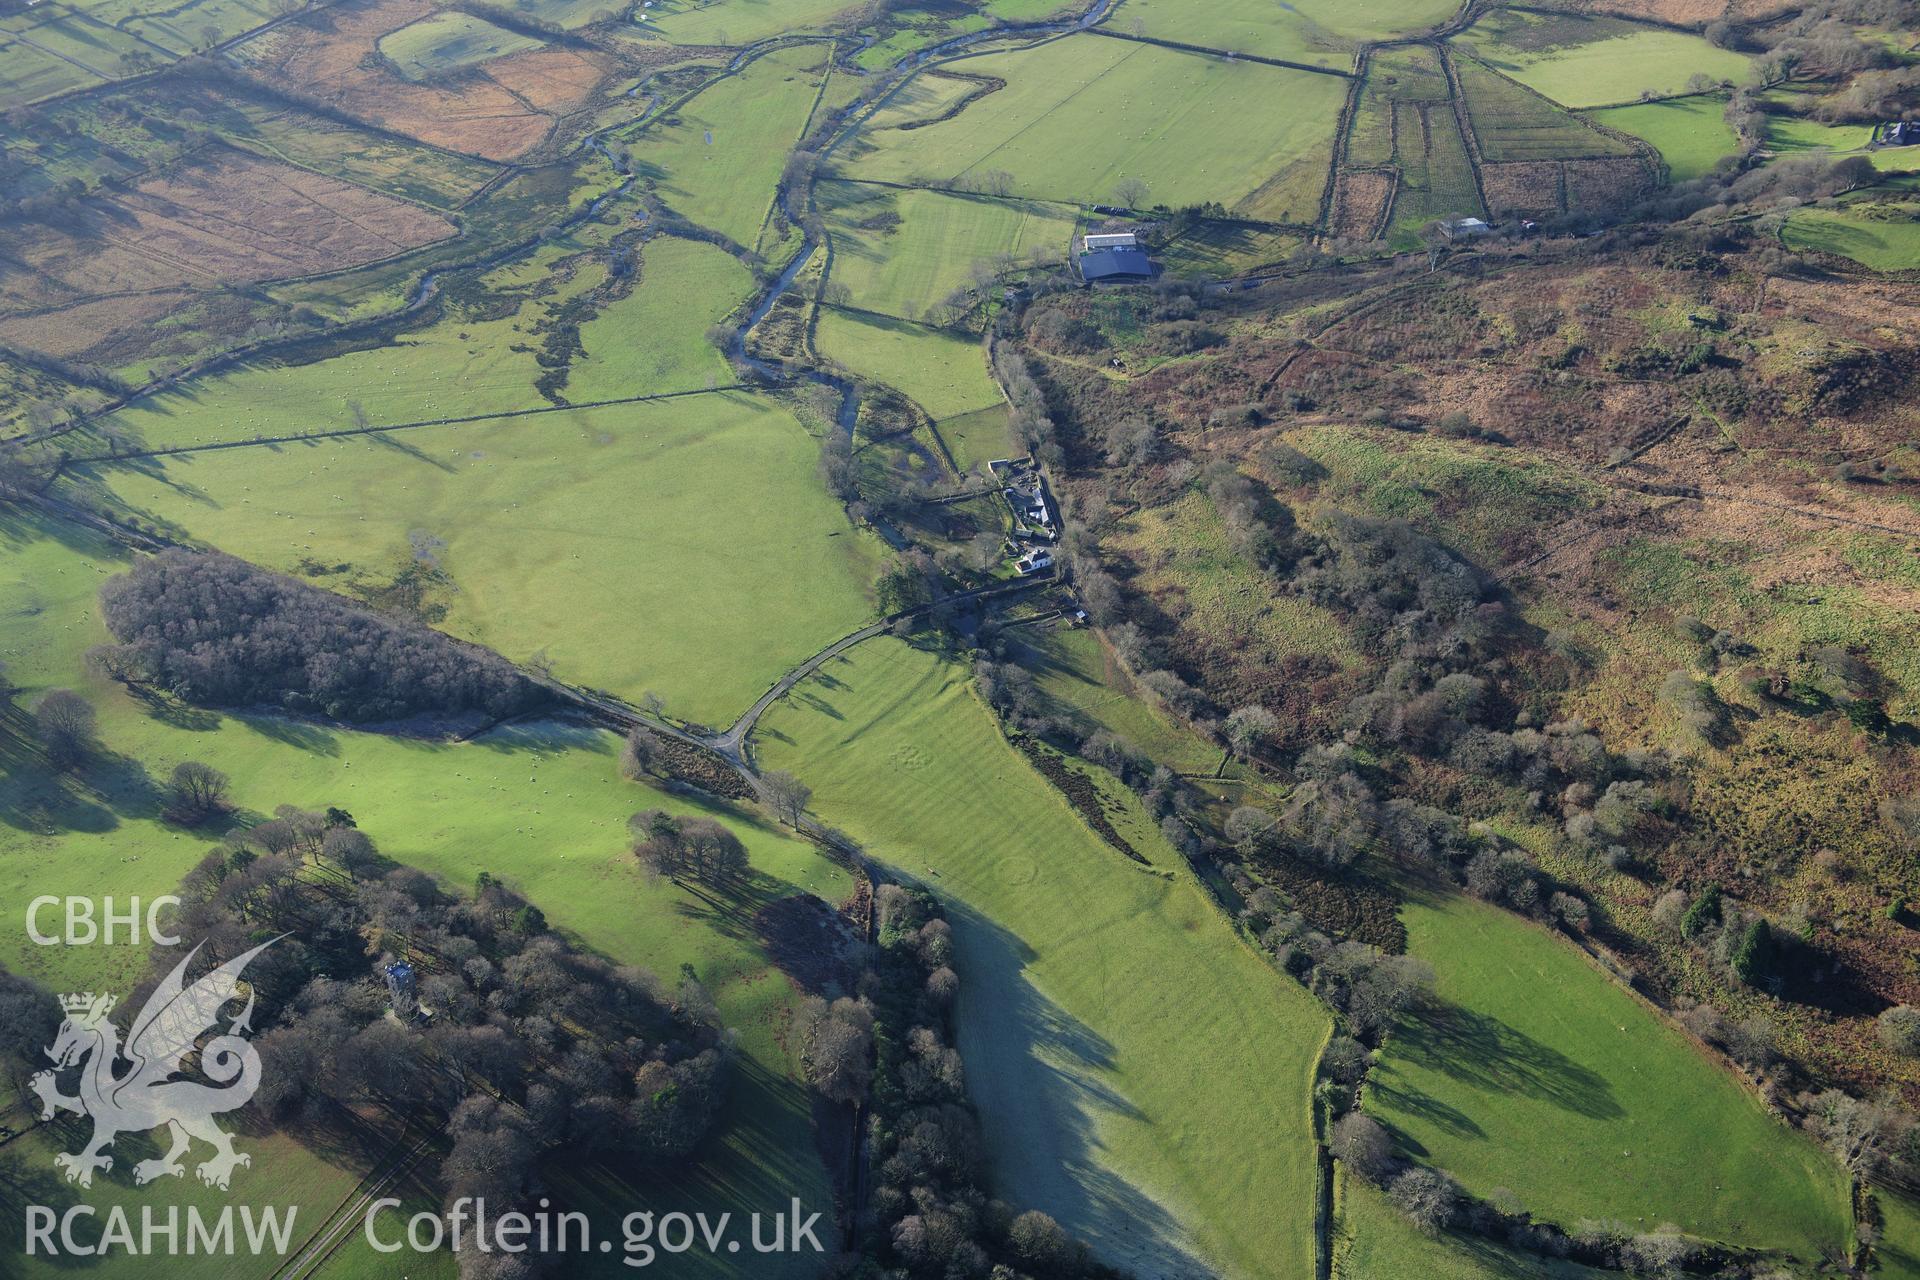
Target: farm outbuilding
<point>1098,240</point>
<point>1117,263</point>
<point>1464,228</point>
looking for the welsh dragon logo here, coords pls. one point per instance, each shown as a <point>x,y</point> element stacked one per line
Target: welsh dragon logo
<point>146,1094</point>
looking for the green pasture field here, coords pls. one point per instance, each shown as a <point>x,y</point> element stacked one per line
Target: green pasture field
<point>541,804</point>
<point>1797,133</point>
<point>1082,113</point>
<point>650,342</point>
<point>740,22</point>
<point>1028,10</point>
<point>1883,236</point>
<point>573,14</point>
<point>899,252</point>
<point>1898,1252</point>
<point>1539,1074</point>
<point>284,1177</point>
<point>1591,62</point>
<point>944,374</point>
<point>718,163</point>
<point>657,335</point>
<point>1374,1241</point>
<point>355,1259</point>
<point>1794,135</point>
<point>1219,249</point>
<point>919,98</point>
<point>447,42</point>
<point>203,22</point>
<point>977,438</point>
<point>71,36</point>
<point>1315,32</point>
<point>1514,124</point>
<point>1258,27</point>
<point>432,374</point>
<point>1073,670</point>
<point>28,74</point>
<point>1691,134</point>
<point>1089,980</point>
<point>683,546</point>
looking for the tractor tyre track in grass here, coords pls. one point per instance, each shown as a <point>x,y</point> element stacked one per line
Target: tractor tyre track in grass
<point>339,1224</point>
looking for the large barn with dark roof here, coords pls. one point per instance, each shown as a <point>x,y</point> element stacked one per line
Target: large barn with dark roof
<point>1121,262</point>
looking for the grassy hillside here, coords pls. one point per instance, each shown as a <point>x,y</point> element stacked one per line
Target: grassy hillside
<point>703,517</point>
<point>943,373</point>
<point>1691,134</point>
<point>1374,1241</point>
<point>540,804</point>
<point>1590,62</point>
<point>1081,114</point>
<point>1075,672</point>
<point>1538,1074</point>
<point>1882,236</point>
<point>1091,981</point>
<point>900,252</point>
<point>717,160</point>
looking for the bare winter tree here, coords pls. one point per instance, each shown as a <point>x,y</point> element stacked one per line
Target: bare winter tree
<point>65,723</point>
<point>1249,726</point>
<point>787,796</point>
<point>1359,1142</point>
<point>196,792</point>
<point>838,1048</point>
<point>350,850</point>
<point>641,753</point>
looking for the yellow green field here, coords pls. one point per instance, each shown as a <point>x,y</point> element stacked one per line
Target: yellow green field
<point>598,540</point>
<point>901,252</point>
<point>1082,114</point>
<point>942,372</point>
<point>1090,980</point>
<point>1592,62</point>
<point>1536,1073</point>
<point>541,804</point>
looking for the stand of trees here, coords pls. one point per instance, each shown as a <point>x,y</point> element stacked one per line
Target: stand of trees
<point>929,1214</point>
<point>524,1047</point>
<point>220,632</point>
<point>697,849</point>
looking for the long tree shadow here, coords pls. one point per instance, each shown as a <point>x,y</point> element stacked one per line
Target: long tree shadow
<point>93,798</point>
<point>1495,1057</point>
<point>1036,1073</point>
<point>731,909</point>
<point>1424,1105</point>
<point>171,711</point>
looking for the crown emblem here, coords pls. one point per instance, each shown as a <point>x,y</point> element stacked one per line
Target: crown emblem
<point>85,1001</point>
